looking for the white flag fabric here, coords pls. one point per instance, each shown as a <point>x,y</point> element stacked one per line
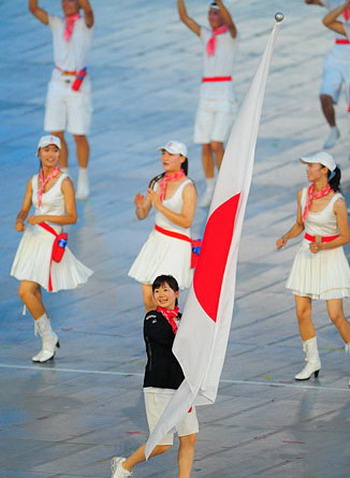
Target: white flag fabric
<point>201,342</point>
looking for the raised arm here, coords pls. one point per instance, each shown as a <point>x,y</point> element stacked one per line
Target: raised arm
<point>296,229</point>
<point>38,12</point>
<point>330,20</point>
<point>226,16</point>
<point>188,21</point>
<point>88,12</point>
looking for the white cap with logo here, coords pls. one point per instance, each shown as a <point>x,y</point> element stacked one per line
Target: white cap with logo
<point>47,140</point>
<point>174,147</point>
<point>323,158</point>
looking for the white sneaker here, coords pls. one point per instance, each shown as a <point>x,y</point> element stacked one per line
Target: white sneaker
<point>332,138</point>
<point>83,189</point>
<point>117,469</point>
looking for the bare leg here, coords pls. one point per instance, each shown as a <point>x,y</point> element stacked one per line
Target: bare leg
<point>303,307</point>
<point>30,294</point>
<point>64,149</point>
<point>82,150</point>
<point>186,455</point>
<point>207,161</point>
<point>328,109</point>
<point>148,297</point>
<point>336,314</point>
<point>218,152</point>
<point>139,456</point>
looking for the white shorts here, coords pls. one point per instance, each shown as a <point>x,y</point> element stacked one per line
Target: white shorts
<point>155,403</point>
<point>335,74</point>
<point>66,109</point>
<point>214,120</point>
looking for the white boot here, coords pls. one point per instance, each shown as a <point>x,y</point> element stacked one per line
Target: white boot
<point>312,358</point>
<point>332,137</point>
<point>207,196</point>
<point>48,337</point>
<point>347,351</point>
<point>83,189</point>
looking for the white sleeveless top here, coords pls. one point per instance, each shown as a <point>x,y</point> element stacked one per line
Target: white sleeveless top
<point>219,64</point>
<point>322,223</point>
<point>174,203</point>
<point>70,55</point>
<point>52,201</point>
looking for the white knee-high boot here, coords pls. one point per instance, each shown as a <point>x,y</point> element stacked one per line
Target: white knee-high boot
<point>312,358</point>
<point>48,338</point>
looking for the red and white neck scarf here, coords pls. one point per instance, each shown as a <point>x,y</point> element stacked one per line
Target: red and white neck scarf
<point>43,181</point>
<point>311,195</point>
<point>167,178</point>
<point>70,24</point>
<point>211,44</point>
<point>169,315</point>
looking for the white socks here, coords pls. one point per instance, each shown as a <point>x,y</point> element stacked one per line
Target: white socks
<point>332,137</point>
<point>83,189</point>
<point>207,197</point>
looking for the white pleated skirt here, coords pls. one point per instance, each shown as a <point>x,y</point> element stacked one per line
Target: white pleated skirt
<point>32,262</point>
<point>324,275</point>
<point>163,254</point>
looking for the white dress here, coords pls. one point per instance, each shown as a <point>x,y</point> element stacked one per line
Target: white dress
<point>32,259</point>
<point>326,274</point>
<point>163,254</point>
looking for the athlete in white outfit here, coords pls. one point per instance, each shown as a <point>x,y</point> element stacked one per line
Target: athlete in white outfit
<point>217,104</point>
<point>336,71</point>
<point>68,109</point>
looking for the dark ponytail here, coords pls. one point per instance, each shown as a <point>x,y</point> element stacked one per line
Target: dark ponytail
<point>184,166</point>
<point>153,181</point>
<point>334,179</point>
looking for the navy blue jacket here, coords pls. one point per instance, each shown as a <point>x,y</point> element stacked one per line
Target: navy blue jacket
<point>162,368</point>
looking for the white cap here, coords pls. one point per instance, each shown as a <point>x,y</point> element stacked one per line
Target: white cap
<point>213,4</point>
<point>174,147</point>
<point>49,139</point>
<point>323,158</point>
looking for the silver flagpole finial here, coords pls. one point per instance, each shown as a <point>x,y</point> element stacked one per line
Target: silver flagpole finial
<point>279,17</point>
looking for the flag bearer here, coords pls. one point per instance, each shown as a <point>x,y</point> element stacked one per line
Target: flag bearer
<point>163,375</point>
